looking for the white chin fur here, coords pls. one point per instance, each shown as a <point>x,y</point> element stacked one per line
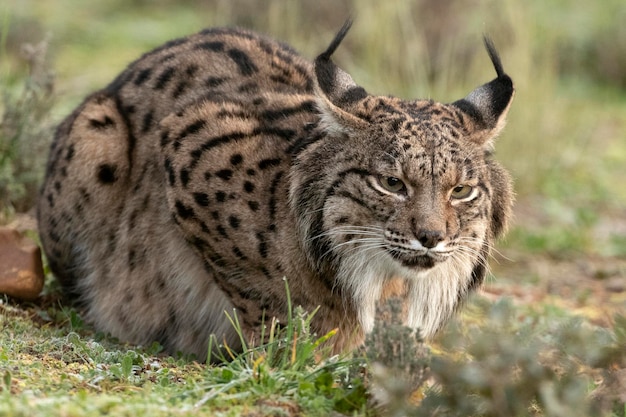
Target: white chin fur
<point>433,294</point>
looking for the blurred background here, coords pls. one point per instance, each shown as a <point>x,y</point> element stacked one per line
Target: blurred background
<point>565,142</point>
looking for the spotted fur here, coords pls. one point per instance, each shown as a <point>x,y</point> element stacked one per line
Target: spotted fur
<point>218,165</point>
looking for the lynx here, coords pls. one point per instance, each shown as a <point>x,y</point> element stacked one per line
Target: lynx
<point>219,165</point>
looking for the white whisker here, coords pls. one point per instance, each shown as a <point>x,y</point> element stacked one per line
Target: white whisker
<point>348,230</point>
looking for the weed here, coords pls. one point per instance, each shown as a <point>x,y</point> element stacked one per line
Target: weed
<point>292,364</point>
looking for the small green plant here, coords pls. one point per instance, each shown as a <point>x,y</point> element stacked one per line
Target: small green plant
<point>397,360</point>
<point>292,364</point>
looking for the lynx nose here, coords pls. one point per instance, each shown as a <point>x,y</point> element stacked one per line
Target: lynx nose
<point>429,238</point>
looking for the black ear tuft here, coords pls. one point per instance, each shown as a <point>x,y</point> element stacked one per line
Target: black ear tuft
<point>336,84</point>
<point>337,40</point>
<point>495,57</point>
<point>488,104</point>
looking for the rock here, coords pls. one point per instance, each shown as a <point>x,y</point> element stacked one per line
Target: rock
<point>21,270</point>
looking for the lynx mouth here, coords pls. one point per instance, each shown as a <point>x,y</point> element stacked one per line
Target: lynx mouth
<point>422,261</point>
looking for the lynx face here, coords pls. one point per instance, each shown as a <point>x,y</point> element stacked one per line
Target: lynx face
<point>404,200</point>
<point>219,164</point>
<point>406,189</point>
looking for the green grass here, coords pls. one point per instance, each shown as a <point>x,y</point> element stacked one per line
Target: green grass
<point>556,349</point>
<point>497,360</point>
<point>47,357</point>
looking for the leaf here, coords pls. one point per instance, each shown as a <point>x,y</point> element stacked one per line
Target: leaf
<point>7,380</point>
<point>324,382</point>
<point>354,400</point>
<point>127,365</point>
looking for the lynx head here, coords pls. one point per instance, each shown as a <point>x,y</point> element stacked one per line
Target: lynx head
<point>393,188</point>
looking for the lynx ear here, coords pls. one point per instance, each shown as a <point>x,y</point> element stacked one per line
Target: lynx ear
<point>337,91</point>
<point>488,105</point>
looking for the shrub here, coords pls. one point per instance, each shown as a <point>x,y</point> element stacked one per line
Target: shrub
<point>503,368</point>
<point>25,126</point>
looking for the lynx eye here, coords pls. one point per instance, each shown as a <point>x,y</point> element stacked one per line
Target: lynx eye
<point>391,184</point>
<point>461,191</point>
